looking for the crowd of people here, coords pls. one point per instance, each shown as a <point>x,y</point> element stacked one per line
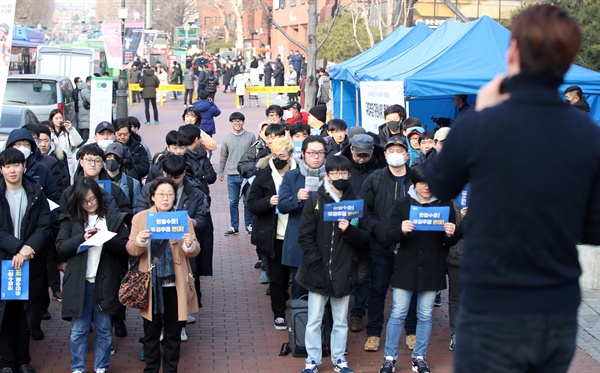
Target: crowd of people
<point>110,182</point>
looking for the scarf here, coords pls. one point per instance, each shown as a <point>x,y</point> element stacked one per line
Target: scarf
<point>163,272</point>
<point>307,171</point>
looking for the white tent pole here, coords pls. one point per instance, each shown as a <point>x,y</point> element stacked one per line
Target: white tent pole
<point>341,99</point>
<point>357,106</point>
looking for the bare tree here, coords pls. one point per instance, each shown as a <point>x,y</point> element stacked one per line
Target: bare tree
<point>32,13</point>
<point>173,14</point>
<point>238,10</point>
<point>312,50</point>
<point>362,10</point>
<point>223,7</point>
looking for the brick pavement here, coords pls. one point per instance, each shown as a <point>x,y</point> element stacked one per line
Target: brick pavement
<point>234,332</point>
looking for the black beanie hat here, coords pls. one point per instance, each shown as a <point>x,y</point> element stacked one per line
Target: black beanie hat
<point>319,112</point>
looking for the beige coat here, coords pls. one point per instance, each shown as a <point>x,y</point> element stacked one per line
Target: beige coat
<point>187,301</point>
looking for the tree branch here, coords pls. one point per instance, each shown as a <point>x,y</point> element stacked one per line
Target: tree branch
<point>287,36</point>
<point>337,11</point>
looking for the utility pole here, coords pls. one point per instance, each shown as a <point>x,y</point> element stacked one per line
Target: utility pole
<point>122,85</point>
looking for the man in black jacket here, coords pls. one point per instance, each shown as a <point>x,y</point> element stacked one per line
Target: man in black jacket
<point>24,229</point>
<point>137,164</point>
<point>365,158</point>
<point>379,191</point>
<point>520,269</point>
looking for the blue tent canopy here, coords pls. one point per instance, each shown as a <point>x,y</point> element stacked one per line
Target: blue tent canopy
<point>459,59</point>
<point>346,94</point>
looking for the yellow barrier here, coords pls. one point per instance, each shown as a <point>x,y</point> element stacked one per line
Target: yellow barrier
<point>269,90</point>
<point>161,88</point>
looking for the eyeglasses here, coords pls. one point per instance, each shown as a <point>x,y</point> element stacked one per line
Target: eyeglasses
<point>283,157</point>
<point>88,202</point>
<point>92,161</point>
<point>320,154</point>
<point>164,195</point>
<point>338,174</point>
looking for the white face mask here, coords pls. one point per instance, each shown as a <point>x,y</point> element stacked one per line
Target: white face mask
<point>103,144</point>
<point>26,152</point>
<point>396,159</point>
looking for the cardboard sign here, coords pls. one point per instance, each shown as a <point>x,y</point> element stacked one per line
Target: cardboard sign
<point>348,210</point>
<point>106,185</point>
<point>15,282</point>
<point>429,218</point>
<point>167,225</point>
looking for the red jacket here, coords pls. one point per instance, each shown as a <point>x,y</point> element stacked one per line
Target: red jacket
<point>300,118</point>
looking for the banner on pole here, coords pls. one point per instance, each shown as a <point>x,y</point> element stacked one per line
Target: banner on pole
<point>375,97</point>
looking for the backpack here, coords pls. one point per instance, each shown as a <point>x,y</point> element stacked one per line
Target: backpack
<point>299,319</point>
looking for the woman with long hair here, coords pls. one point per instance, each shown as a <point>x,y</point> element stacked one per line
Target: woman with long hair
<point>92,278</point>
<point>191,115</point>
<point>66,135</point>
<point>172,296</point>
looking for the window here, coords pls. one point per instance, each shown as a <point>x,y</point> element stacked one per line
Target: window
<point>30,92</point>
<point>292,2</point>
<point>281,4</point>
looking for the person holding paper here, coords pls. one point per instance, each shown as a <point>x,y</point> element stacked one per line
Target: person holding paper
<point>295,188</point>
<point>269,226</point>
<point>171,296</point>
<point>419,267</point>
<point>92,278</point>
<point>326,270</point>
<point>24,228</point>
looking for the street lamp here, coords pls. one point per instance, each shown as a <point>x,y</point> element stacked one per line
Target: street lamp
<point>122,85</point>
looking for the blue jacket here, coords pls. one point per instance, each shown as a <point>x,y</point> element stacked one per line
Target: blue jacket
<point>209,111</point>
<point>132,195</point>
<point>288,204</point>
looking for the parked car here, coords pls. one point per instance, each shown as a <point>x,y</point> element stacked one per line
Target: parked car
<point>41,94</point>
<point>14,117</point>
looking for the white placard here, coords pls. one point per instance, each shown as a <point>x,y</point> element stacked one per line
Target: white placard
<point>99,238</point>
<point>375,97</point>
<point>100,101</point>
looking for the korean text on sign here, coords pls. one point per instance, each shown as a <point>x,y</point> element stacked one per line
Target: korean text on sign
<point>15,282</point>
<point>429,218</point>
<point>343,210</point>
<point>167,225</point>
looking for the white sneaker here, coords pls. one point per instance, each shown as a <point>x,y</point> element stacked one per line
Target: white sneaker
<point>184,336</point>
<point>190,320</point>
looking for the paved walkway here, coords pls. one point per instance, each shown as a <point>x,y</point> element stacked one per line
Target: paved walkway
<point>234,332</point>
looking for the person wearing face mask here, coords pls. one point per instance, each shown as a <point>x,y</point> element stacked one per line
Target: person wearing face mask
<point>91,160</point>
<point>269,227</point>
<point>326,270</point>
<point>104,135</point>
<point>115,160</point>
<point>22,140</point>
<point>394,116</point>
<point>379,191</point>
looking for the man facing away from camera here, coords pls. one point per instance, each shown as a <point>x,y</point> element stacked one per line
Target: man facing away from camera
<point>520,268</point>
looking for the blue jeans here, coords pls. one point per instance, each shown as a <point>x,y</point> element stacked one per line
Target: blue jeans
<point>80,329</point>
<point>400,306</point>
<point>515,343</point>
<point>234,187</point>
<point>339,332</point>
<point>362,288</point>
<point>382,268</point>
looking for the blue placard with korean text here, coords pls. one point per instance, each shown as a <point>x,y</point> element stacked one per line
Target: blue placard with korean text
<point>429,218</point>
<point>15,282</point>
<point>343,210</point>
<point>105,184</point>
<point>167,225</point>
<point>462,200</point>
<point>297,149</point>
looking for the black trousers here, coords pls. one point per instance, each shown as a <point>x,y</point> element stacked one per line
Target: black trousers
<point>453,296</point>
<point>172,336</point>
<point>14,336</point>
<point>279,276</point>
<point>188,93</point>
<point>147,102</point>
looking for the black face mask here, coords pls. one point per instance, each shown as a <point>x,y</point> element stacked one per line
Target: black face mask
<point>111,165</point>
<point>394,125</point>
<point>279,163</point>
<point>340,184</point>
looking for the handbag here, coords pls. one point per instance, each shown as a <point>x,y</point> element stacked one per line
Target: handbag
<point>133,291</point>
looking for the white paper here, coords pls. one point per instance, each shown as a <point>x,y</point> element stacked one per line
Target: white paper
<point>53,206</point>
<point>311,183</point>
<point>97,239</point>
